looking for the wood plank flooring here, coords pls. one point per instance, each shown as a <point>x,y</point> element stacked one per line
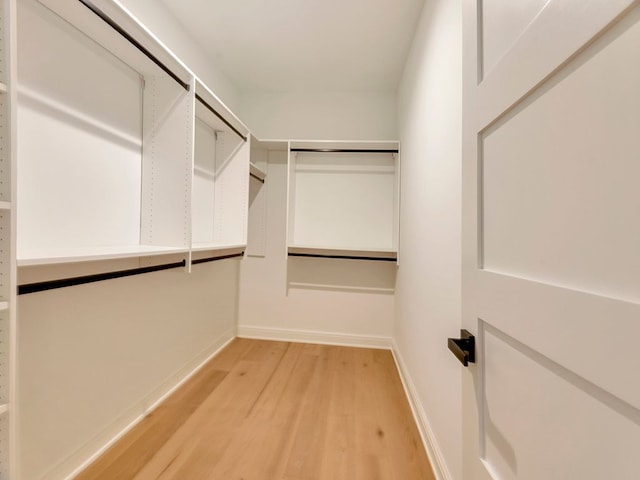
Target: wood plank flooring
<point>263,410</point>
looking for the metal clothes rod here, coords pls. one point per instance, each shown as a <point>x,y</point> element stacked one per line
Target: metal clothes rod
<point>213,110</point>
<point>261,180</point>
<point>341,150</point>
<point>99,277</point>
<point>108,20</point>
<point>213,259</point>
<point>346,257</point>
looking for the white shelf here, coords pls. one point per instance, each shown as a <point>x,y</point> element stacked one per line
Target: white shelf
<point>333,288</point>
<point>3,87</point>
<point>5,206</point>
<point>203,172</point>
<point>4,408</point>
<point>230,120</point>
<point>78,15</point>
<point>341,252</point>
<point>256,171</point>
<point>345,144</point>
<point>70,255</point>
<point>272,145</point>
<point>4,306</point>
<point>222,249</point>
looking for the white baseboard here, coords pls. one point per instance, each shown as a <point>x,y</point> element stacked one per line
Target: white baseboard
<point>155,398</point>
<point>434,453</point>
<point>310,336</point>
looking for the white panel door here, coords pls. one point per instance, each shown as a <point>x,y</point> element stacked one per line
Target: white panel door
<point>551,238</point>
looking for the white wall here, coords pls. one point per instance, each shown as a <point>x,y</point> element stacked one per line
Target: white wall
<point>350,312</point>
<point>429,279</point>
<point>93,358</point>
<point>156,17</point>
<point>345,306</point>
<point>320,116</point>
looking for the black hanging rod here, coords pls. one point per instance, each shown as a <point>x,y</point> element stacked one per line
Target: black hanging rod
<point>261,180</point>
<point>213,110</point>
<point>213,259</point>
<point>99,277</point>
<point>341,150</point>
<point>345,257</point>
<point>108,20</point>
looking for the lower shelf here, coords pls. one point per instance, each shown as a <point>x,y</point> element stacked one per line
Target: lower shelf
<point>213,247</point>
<point>355,254</point>
<point>205,254</point>
<point>70,255</point>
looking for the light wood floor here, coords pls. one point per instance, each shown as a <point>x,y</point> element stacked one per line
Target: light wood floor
<point>265,410</point>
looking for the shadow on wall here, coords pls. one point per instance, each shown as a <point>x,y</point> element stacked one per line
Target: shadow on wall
<point>333,274</point>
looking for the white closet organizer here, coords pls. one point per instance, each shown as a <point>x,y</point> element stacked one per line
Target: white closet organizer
<point>259,156</point>
<point>220,178</point>
<point>105,136</point>
<point>261,151</point>
<point>7,241</point>
<point>343,200</point>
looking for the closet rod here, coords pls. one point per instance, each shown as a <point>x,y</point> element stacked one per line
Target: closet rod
<point>108,20</point>
<point>99,277</point>
<point>345,257</point>
<point>341,150</point>
<point>261,180</point>
<point>213,110</point>
<point>213,259</point>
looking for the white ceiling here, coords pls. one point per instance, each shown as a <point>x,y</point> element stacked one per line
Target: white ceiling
<point>304,45</point>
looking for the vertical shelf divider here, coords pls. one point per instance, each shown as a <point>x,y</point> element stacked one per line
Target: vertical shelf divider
<point>9,464</point>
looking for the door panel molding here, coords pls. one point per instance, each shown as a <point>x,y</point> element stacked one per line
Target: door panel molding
<point>559,32</point>
<point>555,320</point>
<point>516,381</point>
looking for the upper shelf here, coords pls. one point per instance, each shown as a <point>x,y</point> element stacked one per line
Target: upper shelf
<point>215,113</point>
<point>344,145</point>
<point>134,44</point>
<point>256,172</point>
<point>273,145</point>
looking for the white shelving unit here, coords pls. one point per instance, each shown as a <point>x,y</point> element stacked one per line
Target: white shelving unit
<point>220,177</point>
<point>110,173</point>
<point>261,150</point>
<point>343,199</point>
<point>8,450</point>
<point>136,156</point>
<point>128,164</point>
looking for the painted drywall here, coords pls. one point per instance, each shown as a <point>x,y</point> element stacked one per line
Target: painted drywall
<point>325,300</point>
<point>320,116</point>
<point>429,279</point>
<point>94,358</point>
<point>157,18</point>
